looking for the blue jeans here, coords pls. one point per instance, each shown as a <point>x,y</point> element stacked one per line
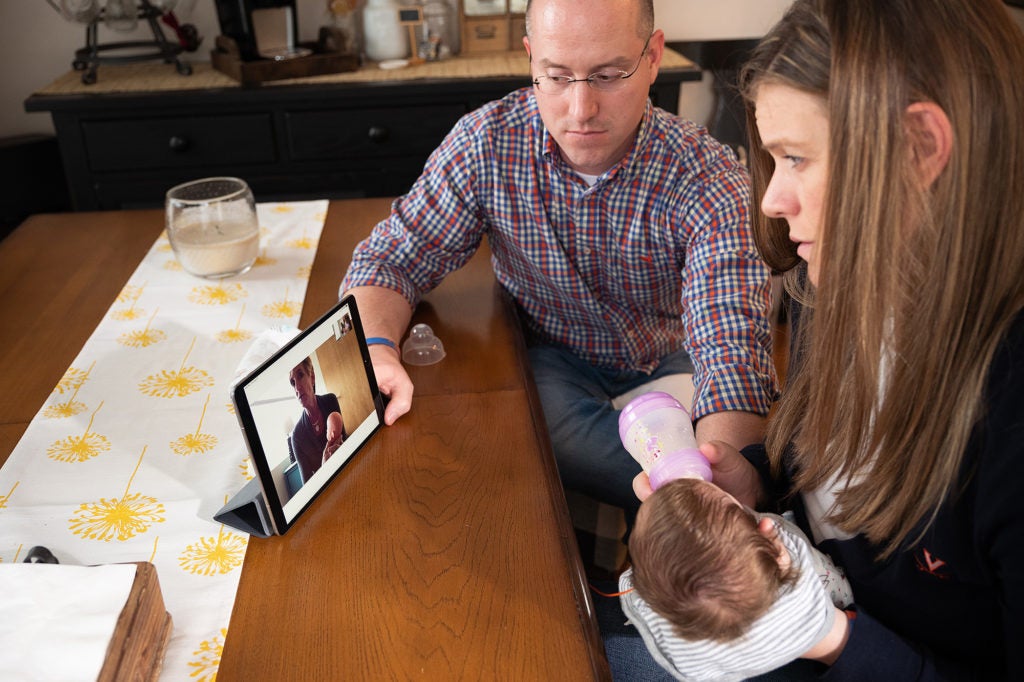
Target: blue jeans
<point>583,425</point>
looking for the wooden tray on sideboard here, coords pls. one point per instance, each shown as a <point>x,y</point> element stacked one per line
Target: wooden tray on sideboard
<point>330,55</point>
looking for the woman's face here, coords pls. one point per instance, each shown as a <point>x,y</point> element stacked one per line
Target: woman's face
<point>302,381</point>
<point>794,129</point>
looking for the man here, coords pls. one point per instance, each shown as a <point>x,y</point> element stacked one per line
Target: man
<point>619,230</point>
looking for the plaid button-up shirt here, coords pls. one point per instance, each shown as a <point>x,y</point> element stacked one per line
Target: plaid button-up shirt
<point>655,256</point>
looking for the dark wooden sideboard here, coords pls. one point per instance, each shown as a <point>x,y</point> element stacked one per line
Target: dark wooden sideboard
<point>141,129</point>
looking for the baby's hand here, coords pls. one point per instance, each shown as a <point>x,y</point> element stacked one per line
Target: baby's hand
<point>642,486</point>
<point>831,645</point>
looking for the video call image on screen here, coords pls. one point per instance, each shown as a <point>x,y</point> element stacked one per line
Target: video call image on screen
<point>312,408</point>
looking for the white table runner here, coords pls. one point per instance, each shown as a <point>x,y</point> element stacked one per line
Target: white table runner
<point>138,446</point>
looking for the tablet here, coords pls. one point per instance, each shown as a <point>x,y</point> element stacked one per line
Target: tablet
<point>305,412</point>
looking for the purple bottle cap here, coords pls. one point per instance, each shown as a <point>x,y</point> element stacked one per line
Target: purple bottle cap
<point>688,463</point>
<point>642,405</point>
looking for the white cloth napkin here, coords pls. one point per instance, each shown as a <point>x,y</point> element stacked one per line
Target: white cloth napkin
<point>56,621</point>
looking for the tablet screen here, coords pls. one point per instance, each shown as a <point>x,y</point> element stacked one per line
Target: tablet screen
<point>307,410</point>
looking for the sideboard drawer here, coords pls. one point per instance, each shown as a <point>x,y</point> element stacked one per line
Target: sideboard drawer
<point>365,133</point>
<point>185,141</point>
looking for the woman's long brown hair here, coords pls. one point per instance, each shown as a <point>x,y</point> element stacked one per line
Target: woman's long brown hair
<point>918,284</point>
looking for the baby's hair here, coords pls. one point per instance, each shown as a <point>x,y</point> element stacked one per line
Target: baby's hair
<point>700,562</point>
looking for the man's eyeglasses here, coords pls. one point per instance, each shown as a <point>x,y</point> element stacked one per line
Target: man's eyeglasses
<point>602,81</point>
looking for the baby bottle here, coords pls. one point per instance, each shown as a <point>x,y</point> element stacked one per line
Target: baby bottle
<point>656,430</point>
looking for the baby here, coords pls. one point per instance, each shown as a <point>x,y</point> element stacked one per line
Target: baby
<point>715,583</point>
<point>335,434</point>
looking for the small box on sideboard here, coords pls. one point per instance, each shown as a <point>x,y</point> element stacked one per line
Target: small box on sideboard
<point>490,26</point>
<point>481,35</point>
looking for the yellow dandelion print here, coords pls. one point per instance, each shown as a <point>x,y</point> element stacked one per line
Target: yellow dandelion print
<point>320,216</point>
<point>283,308</point>
<point>283,208</point>
<point>130,295</point>
<point>263,259</point>
<point>72,380</point>
<point>4,499</point>
<point>80,448</point>
<point>142,338</point>
<point>176,383</point>
<point>233,335</point>
<point>304,272</point>
<point>214,555</point>
<point>206,659</point>
<point>303,242</point>
<point>231,407</point>
<point>236,333</point>
<point>195,443</point>
<point>246,470</point>
<point>118,518</point>
<point>173,265</point>
<point>65,409</point>
<point>217,294</point>
<point>128,314</point>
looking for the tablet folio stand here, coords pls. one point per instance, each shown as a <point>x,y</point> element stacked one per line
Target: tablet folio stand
<point>247,511</point>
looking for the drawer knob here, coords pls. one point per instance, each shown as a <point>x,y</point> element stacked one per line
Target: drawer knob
<point>378,133</point>
<point>178,143</point>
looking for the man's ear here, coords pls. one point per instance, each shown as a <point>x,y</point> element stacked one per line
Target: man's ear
<point>931,138</point>
<point>526,44</point>
<point>655,51</point>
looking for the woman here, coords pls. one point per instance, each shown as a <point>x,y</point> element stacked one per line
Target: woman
<point>888,159</point>
<point>309,444</point>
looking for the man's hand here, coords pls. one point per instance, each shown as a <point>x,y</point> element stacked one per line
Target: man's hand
<point>393,381</point>
<point>386,313</point>
<point>731,472</point>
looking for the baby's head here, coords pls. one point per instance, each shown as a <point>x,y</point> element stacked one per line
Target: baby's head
<point>700,561</point>
<point>334,427</point>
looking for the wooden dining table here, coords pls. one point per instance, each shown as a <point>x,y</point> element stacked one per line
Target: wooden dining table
<point>444,550</point>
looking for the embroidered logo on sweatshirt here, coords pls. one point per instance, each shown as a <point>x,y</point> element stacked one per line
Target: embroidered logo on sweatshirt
<point>926,563</point>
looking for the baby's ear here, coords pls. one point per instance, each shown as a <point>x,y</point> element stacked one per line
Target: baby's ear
<point>767,528</point>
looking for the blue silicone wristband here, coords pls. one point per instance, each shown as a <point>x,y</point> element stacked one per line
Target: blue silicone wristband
<point>381,341</point>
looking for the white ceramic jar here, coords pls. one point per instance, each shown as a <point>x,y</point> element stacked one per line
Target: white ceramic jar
<point>384,37</point>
